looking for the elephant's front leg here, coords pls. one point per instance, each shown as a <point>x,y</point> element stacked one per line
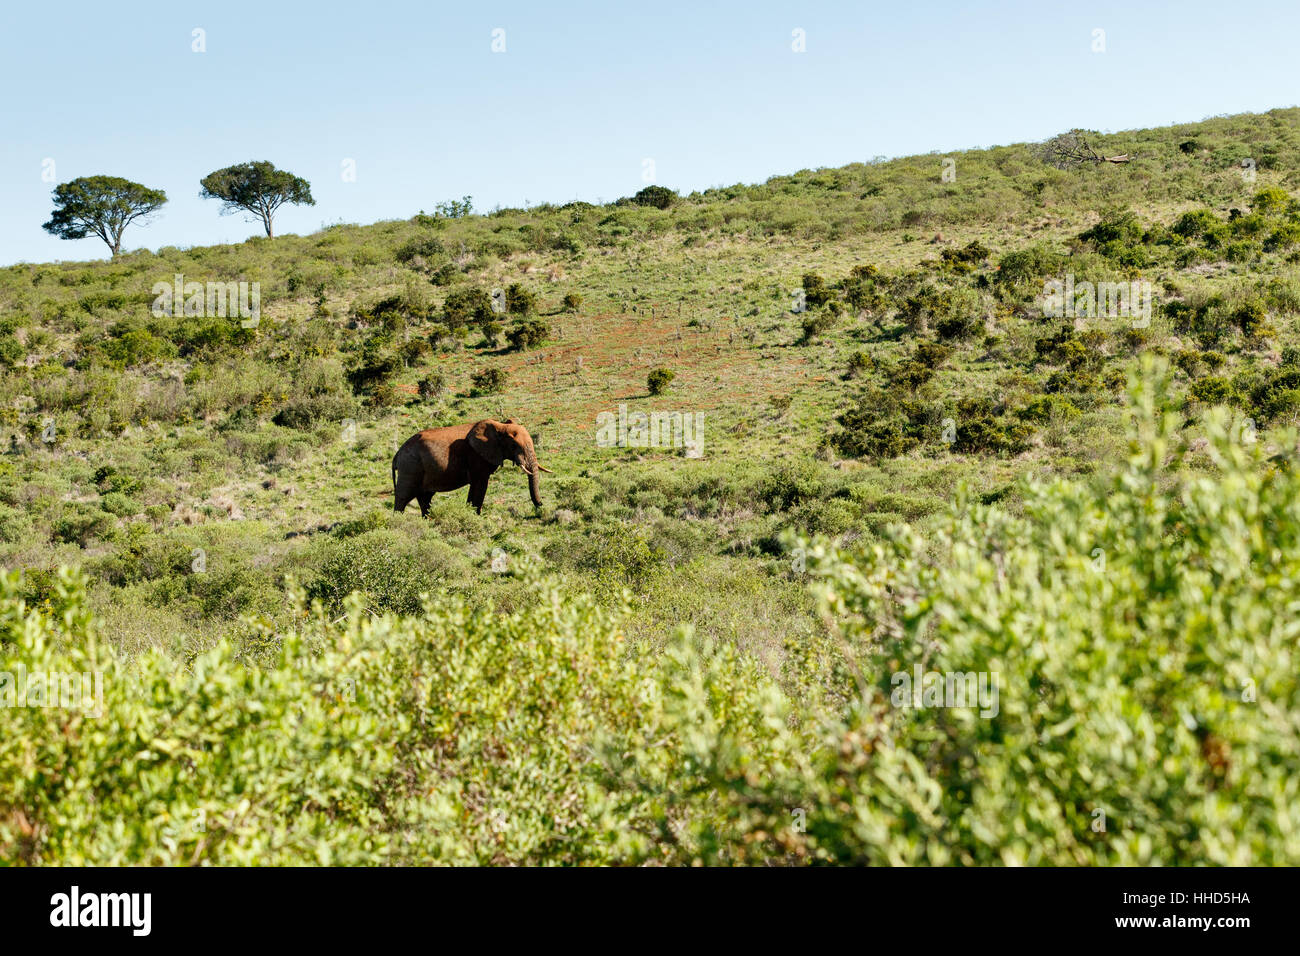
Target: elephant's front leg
<point>424,497</point>
<point>477,492</point>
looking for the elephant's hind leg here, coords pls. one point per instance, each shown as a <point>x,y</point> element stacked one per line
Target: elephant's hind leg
<point>403,494</point>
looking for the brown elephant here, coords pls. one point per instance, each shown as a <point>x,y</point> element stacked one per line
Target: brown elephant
<point>444,459</point>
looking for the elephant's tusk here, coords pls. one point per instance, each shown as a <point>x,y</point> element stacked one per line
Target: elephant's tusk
<point>541,467</point>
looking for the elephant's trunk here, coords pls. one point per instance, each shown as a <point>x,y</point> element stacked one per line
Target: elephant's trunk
<point>534,473</point>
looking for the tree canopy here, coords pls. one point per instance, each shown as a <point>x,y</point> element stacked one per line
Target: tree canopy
<point>101,205</point>
<point>258,188</point>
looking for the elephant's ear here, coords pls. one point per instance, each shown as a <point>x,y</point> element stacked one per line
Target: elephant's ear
<point>485,438</point>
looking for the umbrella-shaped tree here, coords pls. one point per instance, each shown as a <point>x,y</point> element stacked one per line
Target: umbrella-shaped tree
<point>102,206</point>
<point>258,188</point>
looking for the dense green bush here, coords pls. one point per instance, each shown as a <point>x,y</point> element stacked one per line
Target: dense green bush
<point>388,571</point>
<point>466,307</point>
<point>864,436</point>
<point>816,324</point>
<point>307,411</point>
<point>1119,236</point>
<point>660,197</point>
<point>981,429</point>
<point>432,386</point>
<point>488,381</point>
<point>520,300</point>
<point>815,290</point>
<point>1027,264</point>
<point>81,524</point>
<point>1195,223</point>
<point>421,247</point>
<point>528,334</point>
<point>659,379</point>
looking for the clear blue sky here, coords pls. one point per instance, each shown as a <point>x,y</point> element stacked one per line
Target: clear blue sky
<point>584,93</point>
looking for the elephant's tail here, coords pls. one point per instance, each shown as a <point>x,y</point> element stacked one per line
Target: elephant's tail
<point>394,481</point>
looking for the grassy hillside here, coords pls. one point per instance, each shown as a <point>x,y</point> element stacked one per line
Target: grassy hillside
<point>190,466</point>
<point>178,434</point>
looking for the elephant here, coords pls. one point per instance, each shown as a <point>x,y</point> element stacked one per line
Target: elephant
<point>444,459</point>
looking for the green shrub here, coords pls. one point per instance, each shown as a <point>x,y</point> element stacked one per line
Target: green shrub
<point>860,363</point>
<point>422,247</point>
<point>621,558</point>
<point>931,354</point>
<point>11,351</point>
<point>444,275</point>
<point>791,484</point>
<point>375,367</point>
<point>815,290</point>
<point>306,412</point>
<point>81,524</point>
<point>116,503</point>
<point>1212,390</point>
<point>658,380</point>
<point>1271,201</point>
<point>910,375</point>
<point>432,386</point>
<point>1046,408</point>
<point>1248,226</point>
<point>1192,225</point>
<point>1240,251</point>
<point>973,253</point>
<point>14,524</point>
<point>660,197</point>
<point>830,518</point>
<point>530,334</point>
<point>1075,380</point>
<point>1028,264</point>
<point>488,381</point>
<point>989,435</point>
<point>1250,317</point>
<point>491,331</point>
<point>108,478</point>
<point>1284,237</point>
<point>388,571</point>
<point>441,337</point>
<point>1268,393</point>
<point>466,307</point>
<point>959,327</point>
<point>816,324</point>
<point>864,436</point>
<point>1119,236</point>
<point>519,300</point>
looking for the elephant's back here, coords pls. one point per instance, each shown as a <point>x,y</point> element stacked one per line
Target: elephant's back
<point>430,448</point>
<point>434,436</point>
<point>443,436</point>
